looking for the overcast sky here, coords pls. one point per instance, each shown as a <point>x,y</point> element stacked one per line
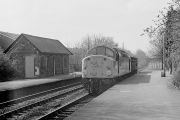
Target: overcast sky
<point>71,20</point>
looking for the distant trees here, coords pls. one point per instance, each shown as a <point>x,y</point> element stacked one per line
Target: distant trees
<point>167,31</point>
<point>157,44</point>
<point>142,58</point>
<point>75,59</point>
<point>88,42</point>
<point>91,41</point>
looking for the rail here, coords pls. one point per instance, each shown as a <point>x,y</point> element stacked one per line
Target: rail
<point>17,108</point>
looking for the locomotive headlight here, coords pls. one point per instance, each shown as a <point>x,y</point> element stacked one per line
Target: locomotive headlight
<point>108,72</point>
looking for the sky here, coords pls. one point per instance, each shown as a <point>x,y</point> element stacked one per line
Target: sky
<point>70,21</point>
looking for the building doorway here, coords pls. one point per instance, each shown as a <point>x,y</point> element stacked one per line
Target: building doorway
<point>29,66</point>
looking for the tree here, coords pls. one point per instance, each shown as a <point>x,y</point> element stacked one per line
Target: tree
<point>95,40</point>
<point>88,42</point>
<point>7,70</point>
<point>157,45</point>
<point>167,28</point>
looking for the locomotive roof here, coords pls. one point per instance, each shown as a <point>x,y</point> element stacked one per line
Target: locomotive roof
<point>122,52</point>
<point>125,52</point>
<point>102,46</point>
<point>104,50</point>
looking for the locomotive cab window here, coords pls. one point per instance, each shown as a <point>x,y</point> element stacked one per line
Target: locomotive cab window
<point>92,52</point>
<point>97,51</point>
<point>100,50</point>
<point>109,52</point>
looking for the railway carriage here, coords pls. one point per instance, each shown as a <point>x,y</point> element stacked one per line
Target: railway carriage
<point>103,66</point>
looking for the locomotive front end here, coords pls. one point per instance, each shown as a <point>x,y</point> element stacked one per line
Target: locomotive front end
<point>98,69</point>
<point>97,66</point>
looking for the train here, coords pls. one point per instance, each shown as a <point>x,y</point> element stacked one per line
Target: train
<point>103,66</point>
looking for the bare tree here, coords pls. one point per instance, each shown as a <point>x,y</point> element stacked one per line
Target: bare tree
<point>95,40</point>
<point>167,28</point>
<point>86,44</point>
<point>157,44</point>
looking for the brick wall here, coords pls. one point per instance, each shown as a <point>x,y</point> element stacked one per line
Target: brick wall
<point>18,53</point>
<point>48,64</point>
<point>49,61</point>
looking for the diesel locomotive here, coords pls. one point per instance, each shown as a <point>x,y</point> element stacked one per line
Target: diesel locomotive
<point>103,66</point>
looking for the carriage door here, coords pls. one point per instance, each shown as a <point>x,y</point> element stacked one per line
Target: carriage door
<point>29,66</point>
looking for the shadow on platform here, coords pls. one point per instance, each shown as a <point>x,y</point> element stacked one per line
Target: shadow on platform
<point>145,72</point>
<point>142,77</point>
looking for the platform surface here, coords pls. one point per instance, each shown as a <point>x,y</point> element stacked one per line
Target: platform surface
<point>145,96</point>
<point>31,82</point>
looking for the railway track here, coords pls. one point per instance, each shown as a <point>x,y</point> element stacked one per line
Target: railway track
<point>52,104</point>
<point>19,108</point>
<point>67,109</point>
<point>29,97</point>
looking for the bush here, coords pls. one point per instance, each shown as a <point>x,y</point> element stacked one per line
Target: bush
<point>7,72</point>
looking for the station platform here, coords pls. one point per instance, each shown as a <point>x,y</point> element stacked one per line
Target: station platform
<point>25,87</point>
<point>9,85</point>
<point>144,96</point>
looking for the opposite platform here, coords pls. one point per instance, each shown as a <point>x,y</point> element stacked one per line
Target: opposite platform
<point>11,85</point>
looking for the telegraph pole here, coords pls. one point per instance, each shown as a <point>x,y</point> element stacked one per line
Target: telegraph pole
<point>163,73</point>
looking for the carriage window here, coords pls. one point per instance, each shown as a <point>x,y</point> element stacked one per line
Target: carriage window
<point>43,62</point>
<point>109,53</point>
<point>100,50</point>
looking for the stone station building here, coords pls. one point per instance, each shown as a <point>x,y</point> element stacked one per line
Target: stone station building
<point>37,57</point>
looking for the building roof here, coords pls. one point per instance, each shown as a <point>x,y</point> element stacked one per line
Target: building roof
<point>12,36</point>
<point>6,39</point>
<point>45,45</point>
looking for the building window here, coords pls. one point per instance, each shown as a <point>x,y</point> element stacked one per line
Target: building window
<point>50,65</point>
<point>65,61</point>
<point>43,62</point>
